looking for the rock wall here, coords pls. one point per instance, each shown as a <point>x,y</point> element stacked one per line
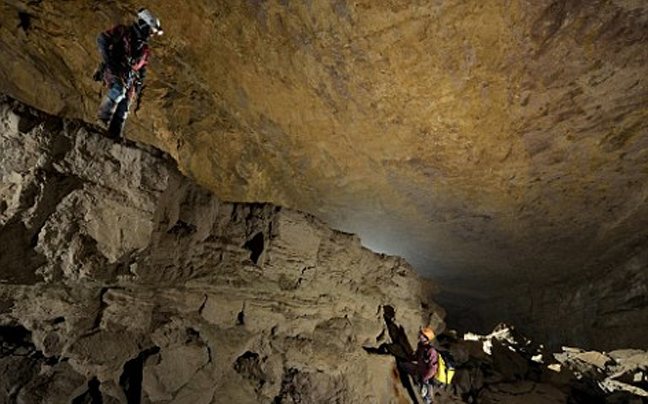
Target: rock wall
<point>607,311</point>
<point>498,146</point>
<point>120,279</point>
<point>495,144</point>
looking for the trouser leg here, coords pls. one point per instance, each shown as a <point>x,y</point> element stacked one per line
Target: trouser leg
<point>116,94</point>
<point>119,119</point>
<point>425,389</point>
<point>426,392</point>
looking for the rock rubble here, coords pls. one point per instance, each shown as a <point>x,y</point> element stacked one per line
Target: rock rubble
<point>505,367</point>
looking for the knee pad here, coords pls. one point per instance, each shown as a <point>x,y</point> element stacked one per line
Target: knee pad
<point>117,92</point>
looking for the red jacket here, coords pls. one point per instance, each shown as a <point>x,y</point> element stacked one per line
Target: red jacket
<point>123,52</point>
<point>427,361</point>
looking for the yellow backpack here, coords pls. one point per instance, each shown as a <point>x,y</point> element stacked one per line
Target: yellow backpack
<point>446,370</point>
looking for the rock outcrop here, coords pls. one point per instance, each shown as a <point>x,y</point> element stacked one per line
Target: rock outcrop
<point>121,281</point>
<point>497,146</point>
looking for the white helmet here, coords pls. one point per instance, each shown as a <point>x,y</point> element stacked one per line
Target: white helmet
<point>150,20</point>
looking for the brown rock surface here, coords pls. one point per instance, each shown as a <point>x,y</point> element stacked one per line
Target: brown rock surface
<point>135,282</point>
<point>138,286</point>
<point>499,146</point>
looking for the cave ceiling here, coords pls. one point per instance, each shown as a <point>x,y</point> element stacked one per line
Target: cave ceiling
<point>490,143</point>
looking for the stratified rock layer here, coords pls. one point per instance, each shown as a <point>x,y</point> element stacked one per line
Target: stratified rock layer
<point>120,279</point>
<point>499,146</point>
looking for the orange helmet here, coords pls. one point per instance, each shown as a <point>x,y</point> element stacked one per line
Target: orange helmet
<point>428,332</point>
